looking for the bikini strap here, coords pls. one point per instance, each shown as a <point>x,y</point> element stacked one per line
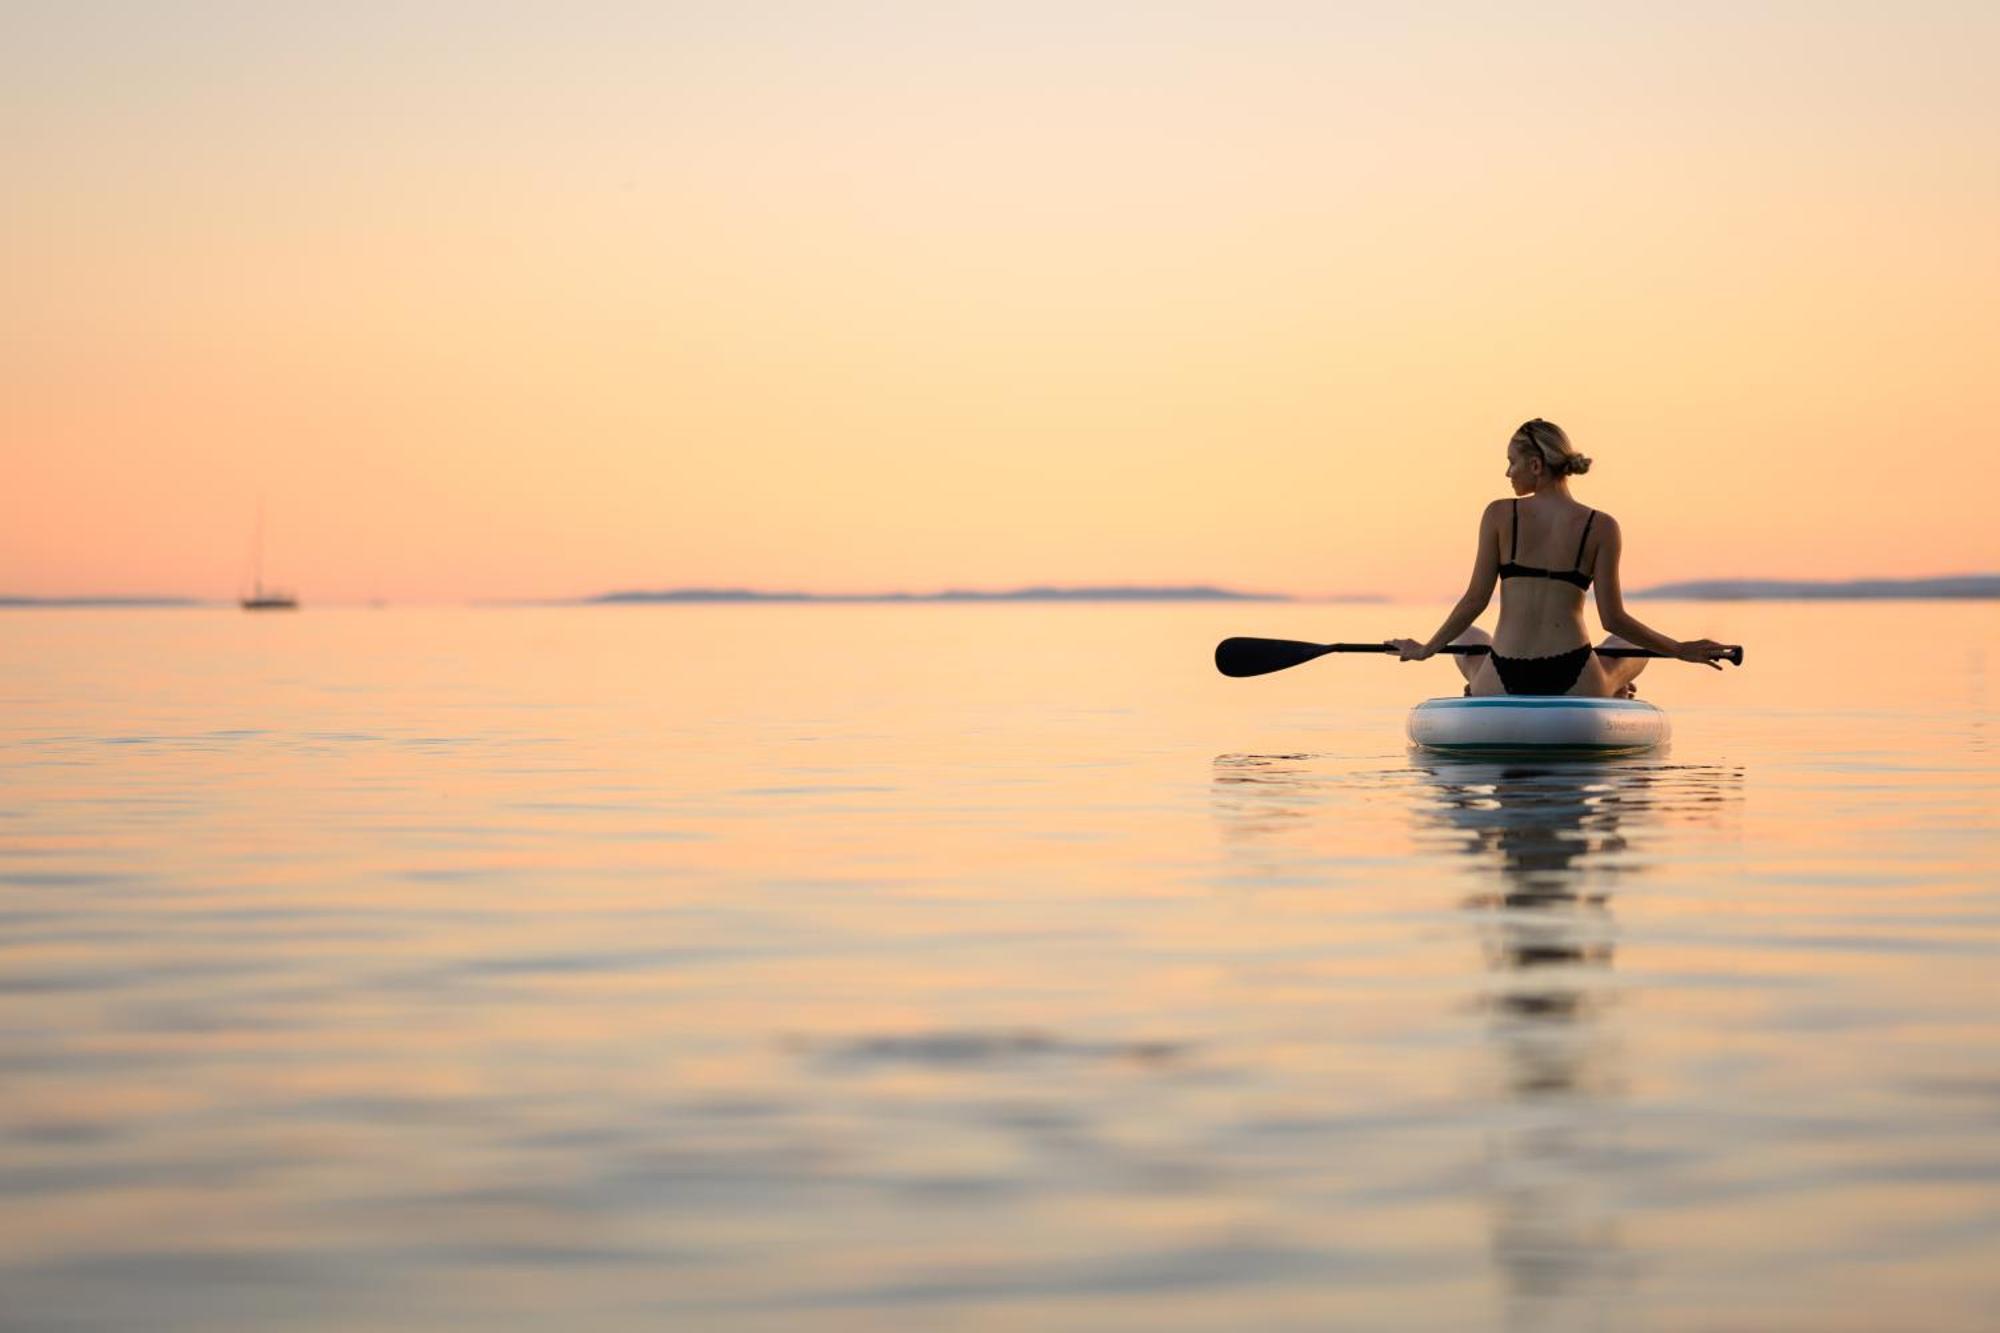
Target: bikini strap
<point>1515,549</point>
<point>1584,538</point>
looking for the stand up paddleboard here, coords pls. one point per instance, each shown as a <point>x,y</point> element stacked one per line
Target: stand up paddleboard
<point>1547,726</point>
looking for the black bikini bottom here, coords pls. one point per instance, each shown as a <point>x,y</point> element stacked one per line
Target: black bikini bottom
<point>1541,675</point>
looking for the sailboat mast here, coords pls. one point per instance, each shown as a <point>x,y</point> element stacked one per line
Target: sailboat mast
<point>261,599</point>
<point>257,553</point>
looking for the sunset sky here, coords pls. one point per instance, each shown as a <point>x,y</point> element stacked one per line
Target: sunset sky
<point>492,300</point>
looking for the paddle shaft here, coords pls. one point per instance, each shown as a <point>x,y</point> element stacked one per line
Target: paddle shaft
<point>1258,657</point>
<point>1735,653</point>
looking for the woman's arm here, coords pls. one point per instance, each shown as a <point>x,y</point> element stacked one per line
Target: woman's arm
<point>1478,591</point>
<point>1611,612</point>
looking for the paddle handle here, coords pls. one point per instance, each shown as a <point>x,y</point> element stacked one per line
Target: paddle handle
<point>1732,654</point>
<point>1735,653</point>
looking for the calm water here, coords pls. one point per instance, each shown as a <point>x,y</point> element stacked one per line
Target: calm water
<point>983,967</point>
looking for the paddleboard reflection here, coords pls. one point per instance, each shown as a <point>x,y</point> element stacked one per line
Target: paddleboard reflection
<point>1534,854</point>
<point>1557,839</point>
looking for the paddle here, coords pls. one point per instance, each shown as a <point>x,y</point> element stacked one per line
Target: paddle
<point>1257,657</point>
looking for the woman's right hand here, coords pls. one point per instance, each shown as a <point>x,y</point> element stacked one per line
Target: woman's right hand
<point>1703,651</point>
<point>1409,650</point>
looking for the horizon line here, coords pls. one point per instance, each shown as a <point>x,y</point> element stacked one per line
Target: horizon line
<point>1946,586</point>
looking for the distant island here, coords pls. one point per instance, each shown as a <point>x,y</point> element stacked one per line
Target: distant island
<point>1194,593</point>
<point>1752,590</point>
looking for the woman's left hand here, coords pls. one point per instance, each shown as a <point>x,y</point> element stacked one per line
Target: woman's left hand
<point>1409,650</point>
<point>1703,651</point>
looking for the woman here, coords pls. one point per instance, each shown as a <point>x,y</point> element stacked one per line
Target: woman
<point>1546,550</point>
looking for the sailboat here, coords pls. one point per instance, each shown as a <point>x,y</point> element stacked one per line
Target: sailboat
<point>261,598</point>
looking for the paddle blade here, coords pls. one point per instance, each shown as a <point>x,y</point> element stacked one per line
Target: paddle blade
<point>1257,657</point>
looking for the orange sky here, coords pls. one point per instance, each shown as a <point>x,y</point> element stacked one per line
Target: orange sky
<point>868,296</point>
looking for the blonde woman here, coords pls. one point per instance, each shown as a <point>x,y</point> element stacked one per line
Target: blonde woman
<point>1545,549</point>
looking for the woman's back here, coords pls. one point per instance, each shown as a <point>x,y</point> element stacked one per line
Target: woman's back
<point>1546,554</point>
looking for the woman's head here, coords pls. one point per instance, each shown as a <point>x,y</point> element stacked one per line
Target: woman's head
<point>1539,454</point>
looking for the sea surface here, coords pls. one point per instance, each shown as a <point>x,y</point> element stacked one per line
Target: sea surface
<point>984,967</point>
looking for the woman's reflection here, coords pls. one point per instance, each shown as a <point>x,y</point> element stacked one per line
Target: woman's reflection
<point>1556,839</point>
<point>1543,847</point>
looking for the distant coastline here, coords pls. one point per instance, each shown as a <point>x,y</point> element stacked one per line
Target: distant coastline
<point>101,601</point>
<point>1953,587</point>
<point>1956,586</point>
<point>1191,593</point>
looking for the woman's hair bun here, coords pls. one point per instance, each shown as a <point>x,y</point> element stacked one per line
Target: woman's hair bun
<point>1551,444</point>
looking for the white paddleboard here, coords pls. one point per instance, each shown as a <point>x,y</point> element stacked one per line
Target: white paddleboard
<point>1534,724</point>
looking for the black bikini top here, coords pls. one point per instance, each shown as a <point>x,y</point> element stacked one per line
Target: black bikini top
<point>1510,570</point>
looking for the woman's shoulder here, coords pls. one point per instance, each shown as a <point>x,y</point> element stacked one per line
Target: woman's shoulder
<point>1601,532</point>
<point>1493,519</point>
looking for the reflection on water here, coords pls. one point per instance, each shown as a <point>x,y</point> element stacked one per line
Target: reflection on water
<point>1555,838</point>
<point>1549,841</point>
<point>1550,944</point>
